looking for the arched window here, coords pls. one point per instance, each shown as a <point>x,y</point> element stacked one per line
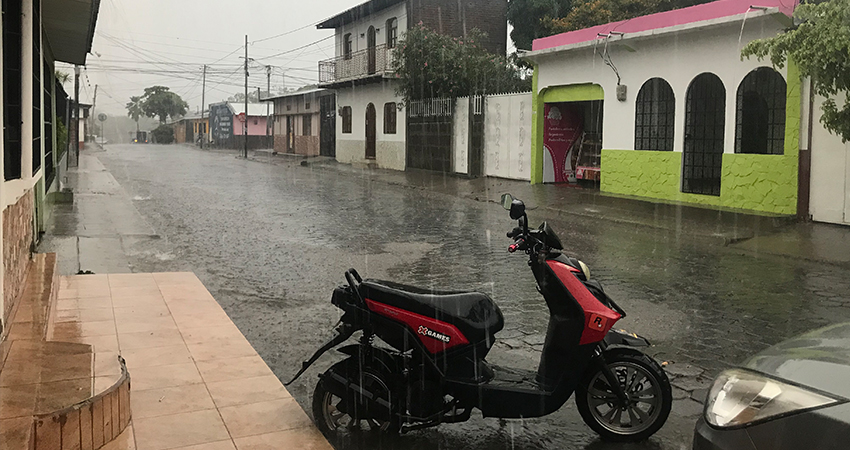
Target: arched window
<point>760,118</point>
<point>347,46</point>
<point>705,114</point>
<point>392,32</point>
<point>654,116</point>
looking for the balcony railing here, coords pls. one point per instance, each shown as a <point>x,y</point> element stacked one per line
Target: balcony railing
<point>376,61</point>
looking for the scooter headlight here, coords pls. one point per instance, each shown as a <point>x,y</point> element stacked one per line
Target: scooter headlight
<point>740,397</point>
<point>584,269</point>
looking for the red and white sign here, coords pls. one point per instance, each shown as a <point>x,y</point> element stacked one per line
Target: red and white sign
<point>564,124</point>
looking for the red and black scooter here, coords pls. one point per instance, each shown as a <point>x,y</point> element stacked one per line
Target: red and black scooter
<point>432,369</point>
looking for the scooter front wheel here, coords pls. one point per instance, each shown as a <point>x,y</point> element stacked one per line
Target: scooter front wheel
<point>646,386</point>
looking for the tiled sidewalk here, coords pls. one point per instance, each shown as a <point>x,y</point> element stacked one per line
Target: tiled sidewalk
<point>197,384</point>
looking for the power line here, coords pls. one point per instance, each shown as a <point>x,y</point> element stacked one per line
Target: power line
<point>295,49</point>
<point>287,33</point>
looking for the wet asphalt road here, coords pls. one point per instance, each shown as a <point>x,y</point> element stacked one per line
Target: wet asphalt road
<point>270,242</point>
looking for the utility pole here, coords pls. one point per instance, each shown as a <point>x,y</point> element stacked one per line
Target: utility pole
<point>93,112</point>
<point>76,116</point>
<point>245,125</point>
<point>268,106</point>
<point>203,99</point>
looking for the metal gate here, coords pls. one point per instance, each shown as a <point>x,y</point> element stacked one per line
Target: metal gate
<point>476,136</point>
<point>429,134</point>
<point>327,126</point>
<point>705,109</point>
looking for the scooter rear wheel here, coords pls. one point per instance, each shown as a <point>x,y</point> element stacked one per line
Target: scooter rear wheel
<point>333,414</point>
<point>648,390</point>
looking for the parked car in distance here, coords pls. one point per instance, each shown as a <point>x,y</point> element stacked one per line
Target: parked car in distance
<point>793,395</point>
<point>139,137</point>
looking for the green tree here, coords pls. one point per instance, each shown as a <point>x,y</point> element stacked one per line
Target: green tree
<point>430,64</point>
<point>135,110</point>
<point>589,13</point>
<point>530,19</point>
<point>163,134</point>
<point>160,102</point>
<point>820,47</point>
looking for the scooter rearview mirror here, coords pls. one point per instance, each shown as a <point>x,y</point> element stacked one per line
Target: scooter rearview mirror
<point>507,199</point>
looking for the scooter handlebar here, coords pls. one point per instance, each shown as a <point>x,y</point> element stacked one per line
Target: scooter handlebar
<point>518,245</point>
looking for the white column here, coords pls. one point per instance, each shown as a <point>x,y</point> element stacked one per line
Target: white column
<point>26,89</point>
<point>2,185</point>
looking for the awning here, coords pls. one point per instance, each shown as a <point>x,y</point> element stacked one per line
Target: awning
<point>69,25</point>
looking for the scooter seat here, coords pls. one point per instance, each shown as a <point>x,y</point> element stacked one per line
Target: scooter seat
<point>473,313</point>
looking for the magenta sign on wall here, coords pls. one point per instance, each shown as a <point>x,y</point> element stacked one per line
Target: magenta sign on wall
<point>563,127</point>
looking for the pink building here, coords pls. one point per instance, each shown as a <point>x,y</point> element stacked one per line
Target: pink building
<point>227,125</point>
<point>257,114</point>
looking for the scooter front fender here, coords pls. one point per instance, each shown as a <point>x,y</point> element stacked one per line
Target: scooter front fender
<point>624,338</point>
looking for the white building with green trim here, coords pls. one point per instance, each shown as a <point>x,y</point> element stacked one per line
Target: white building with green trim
<point>680,115</point>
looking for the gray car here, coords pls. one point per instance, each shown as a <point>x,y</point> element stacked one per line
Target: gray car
<point>793,395</point>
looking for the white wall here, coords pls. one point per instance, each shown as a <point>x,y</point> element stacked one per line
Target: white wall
<point>830,175</point>
<point>460,140</point>
<point>507,136</point>
<point>351,147</point>
<point>678,58</point>
<point>377,20</point>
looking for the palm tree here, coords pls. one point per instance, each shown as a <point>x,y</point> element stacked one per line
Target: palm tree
<point>134,110</point>
<point>63,77</point>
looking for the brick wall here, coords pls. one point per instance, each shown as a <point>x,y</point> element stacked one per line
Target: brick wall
<point>454,17</point>
<point>280,143</point>
<point>17,242</point>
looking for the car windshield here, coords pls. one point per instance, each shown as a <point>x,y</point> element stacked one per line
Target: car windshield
<point>315,226</point>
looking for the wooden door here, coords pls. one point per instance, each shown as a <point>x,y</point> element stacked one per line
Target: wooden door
<point>371,131</point>
<point>371,53</point>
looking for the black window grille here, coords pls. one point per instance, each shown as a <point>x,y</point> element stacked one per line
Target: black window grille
<point>760,115</point>
<point>346,119</point>
<point>390,112</point>
<point>48,123</point>
<point>392,32</point>
<point>36,86</point>
<point>347,46</point>
<point>705,111</point>
<point>12,111</point>
<point>655,109</point>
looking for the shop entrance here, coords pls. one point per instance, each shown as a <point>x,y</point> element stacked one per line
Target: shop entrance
<point>572,142</point>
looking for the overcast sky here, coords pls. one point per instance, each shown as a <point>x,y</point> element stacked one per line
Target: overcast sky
<point>139,43</point>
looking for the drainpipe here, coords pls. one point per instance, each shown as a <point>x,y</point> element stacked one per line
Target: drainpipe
<point>805,162</point>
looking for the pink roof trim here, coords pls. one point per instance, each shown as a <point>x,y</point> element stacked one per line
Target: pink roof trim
<point>698,13</point>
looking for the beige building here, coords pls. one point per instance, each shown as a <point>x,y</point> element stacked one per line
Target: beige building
<point>304,122</point>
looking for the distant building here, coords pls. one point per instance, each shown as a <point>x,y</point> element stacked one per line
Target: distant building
<point>189,129</point>
<point>371,126</point>
<point>84,123</point>
<point>227,121</point>
<point>305,122</point>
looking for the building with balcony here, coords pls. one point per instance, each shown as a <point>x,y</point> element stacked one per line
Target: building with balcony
<point>371,125</point>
